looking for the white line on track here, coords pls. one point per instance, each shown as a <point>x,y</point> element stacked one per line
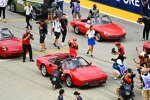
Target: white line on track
<point>112,15</point>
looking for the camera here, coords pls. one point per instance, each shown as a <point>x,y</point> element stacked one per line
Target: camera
<point>113,51</point>
<point>31,35</point>
<point>37,22</point>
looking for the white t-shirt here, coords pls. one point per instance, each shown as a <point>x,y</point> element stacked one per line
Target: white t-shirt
<point>57,26</point>
<point>3,3</point>
<point>90,33</point>
<point>28,10</point>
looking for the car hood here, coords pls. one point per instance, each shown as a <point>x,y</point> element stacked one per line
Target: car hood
<point>88,73</point>
<point>12,44</point>
<point>113,29</point>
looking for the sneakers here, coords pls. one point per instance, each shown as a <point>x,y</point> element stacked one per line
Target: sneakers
<point>87,52</point>
<point>31,60</point>
<point>115,78</point>
<point>23,61</point>
<point>63,44</point>
<point>4,20</point>
<point>58,47</point>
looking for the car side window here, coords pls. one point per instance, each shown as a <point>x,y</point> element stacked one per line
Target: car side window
<point>57,62</point>
<point>52,60</point>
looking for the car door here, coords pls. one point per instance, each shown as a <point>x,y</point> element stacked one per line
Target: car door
<point>20,5</point>
<point>51,66</point>
<point>83,29</point>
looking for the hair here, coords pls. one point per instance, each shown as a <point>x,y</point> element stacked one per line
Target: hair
<point>57,7</point>
<point>76,93</point>
<point>64,14</point>
<point>144,63</point>
<point>91,26</point>
<point>61,91</point>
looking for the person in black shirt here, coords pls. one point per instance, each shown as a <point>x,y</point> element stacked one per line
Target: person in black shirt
<point>61,94</point>
<point>146,29</point>
<point>64,25</point>
<point>44,11</point>
<point>43,33</point>
<point>145,7</point>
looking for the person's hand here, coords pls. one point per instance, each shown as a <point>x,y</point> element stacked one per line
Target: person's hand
<point>143,5</point>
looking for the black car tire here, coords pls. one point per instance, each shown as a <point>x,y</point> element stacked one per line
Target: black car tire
<point>12,7</point>
<point>98,37</point>
<point>76,29</point>
<point>69,81</point>
<point>44,70</point>
<point>34,14</point>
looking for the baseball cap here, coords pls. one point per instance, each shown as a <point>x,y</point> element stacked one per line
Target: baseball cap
<point>117,43</point>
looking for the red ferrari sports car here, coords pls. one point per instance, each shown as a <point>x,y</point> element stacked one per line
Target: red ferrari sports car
<point>10,46</point>
<point>76,71</point>
<point>103,26</point>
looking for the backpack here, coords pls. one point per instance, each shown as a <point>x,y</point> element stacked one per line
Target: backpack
<point>76,7</point>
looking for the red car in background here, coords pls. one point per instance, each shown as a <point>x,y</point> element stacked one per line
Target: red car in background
<point>76,71</point>
<point>104,28</point>
<point>10,46</point>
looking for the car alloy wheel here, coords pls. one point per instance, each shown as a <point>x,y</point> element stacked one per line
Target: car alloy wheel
<point>69,81</point>
<point>98,37</point>
<point>12,7</point>
<point>34,14</point>
<point>44,70</point>
<point>76,30</point>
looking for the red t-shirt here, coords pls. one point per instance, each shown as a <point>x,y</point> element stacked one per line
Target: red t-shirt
<point>121,50</point>
<point>73,47</point>
<point>27,41</point>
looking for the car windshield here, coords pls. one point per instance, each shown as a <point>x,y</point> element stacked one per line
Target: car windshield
<point>75,63</point>
<point>5,34</point>
<point>102,20</point>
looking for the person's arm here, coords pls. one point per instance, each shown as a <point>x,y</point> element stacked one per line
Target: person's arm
<point>25,38</point>
<point>90,13</point>
<point>86,34</point>
<point>146,2</point>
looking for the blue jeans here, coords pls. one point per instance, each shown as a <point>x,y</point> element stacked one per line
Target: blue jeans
<point>60,4</point>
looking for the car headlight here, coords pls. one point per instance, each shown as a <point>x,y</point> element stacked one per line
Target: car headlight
<point>105,32</point>
<point>4,48</point>
<point>123,30</point>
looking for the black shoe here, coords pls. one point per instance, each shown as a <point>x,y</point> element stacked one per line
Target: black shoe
<point>58,47</point>
<point>87,52</point>
<point>119,98</point>
<point>91,55</point>
<point>23,61</point>
<point>54,44</point>
<point>31,60</point>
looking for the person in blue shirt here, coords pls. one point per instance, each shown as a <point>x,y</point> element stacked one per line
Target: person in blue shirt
<point>77,95</point>
<point>61,94</point>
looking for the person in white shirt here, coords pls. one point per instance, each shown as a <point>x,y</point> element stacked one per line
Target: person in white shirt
<point>60,3</point>
<point>90,34</point>
<point>56,28</point>
<point>28,8</point>
<point>3,4</point>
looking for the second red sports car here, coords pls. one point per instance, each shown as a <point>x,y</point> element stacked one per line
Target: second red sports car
<point>104,28</point>
<point>10,46</point>
<point>76,71</point>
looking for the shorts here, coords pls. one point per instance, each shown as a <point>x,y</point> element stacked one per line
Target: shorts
<point>42,39</point>
<point>76,13</point>
<point>146,93</point>
<point>57,35</point>
<point>45,16</point>
<point>91,41</point>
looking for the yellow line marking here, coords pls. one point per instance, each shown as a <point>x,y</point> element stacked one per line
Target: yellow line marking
<point>50,51</point>
<point>110,10</point>
<point>14,20</point>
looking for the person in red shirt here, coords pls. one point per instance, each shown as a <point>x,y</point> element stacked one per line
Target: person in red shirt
<point>73,47</point>
<point>120,52</point>
<point>27,36</point>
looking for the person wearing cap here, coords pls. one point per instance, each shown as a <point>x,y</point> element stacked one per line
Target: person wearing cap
<point>90,34</point>
<point>61,94</point>
<point>73,47</point>
<point>77,95</point>
<point>119,69</point>
<point>27,36</point>
<point>120,52</point>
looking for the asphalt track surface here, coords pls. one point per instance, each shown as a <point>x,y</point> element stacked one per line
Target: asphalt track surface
<point>23,81</point>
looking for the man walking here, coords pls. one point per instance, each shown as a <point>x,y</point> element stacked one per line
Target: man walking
<point>58,12</point>
<point>3,4</point>
<point>60,3</point>
<point>43,32</point>
<point>145,7</point>
<point>44,11</point>
<point>64,25</point>
<point>76,9</point>
<point>27,36</point>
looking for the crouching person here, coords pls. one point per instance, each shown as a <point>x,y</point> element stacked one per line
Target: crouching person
<point>56,79</point>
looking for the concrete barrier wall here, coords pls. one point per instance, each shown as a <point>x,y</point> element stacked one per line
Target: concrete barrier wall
<point>129,5</point>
